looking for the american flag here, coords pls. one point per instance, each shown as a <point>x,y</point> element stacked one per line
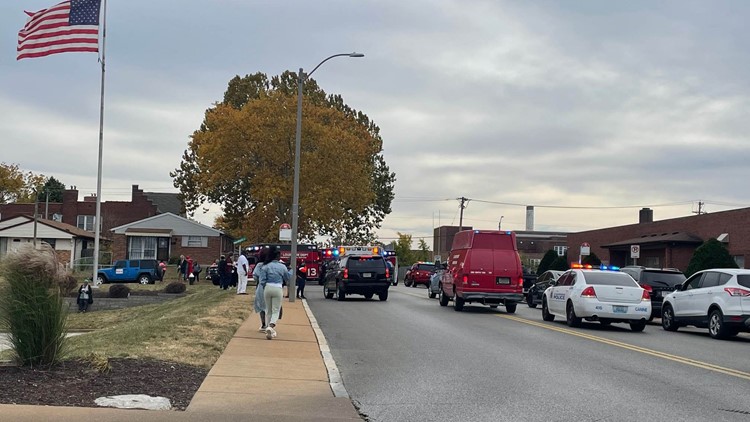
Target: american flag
<point>72,25</point>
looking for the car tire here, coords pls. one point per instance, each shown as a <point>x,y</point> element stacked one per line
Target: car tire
<point>638,326</point>
<point>530,300</point>
<point>383,296</point>
<point>511,307</point>
<point>431,294</point>
<point>458,303</point>
<point>407,282</point>
<point>368,295</point>
<point>443,298</point>
<point>716,327</point>
<point>667,319</point>
<point>340,296</point>
<point>327,292</point>
<point>570,316</point>
<point>101,279</point>
<point>144,279</point>
<point>545,312</point>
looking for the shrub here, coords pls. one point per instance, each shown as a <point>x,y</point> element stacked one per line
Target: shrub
<point>546,261</point>
<point>119,291</point>
<point>175,287</point>
<point>591,259</point>
<point>31,306</point>
<point>711,254</point>
<point>68,284</point>
<point>560,264</point>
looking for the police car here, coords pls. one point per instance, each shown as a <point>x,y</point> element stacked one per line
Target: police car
<point>597,294</point>
<point>360,270</point>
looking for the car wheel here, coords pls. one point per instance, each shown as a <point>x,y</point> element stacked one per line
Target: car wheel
<point>368,295</point>
<point>716,327</point>
<point>144,279</point>
<point>341,295</point>
<point>511,307</point>
<point>327,293</point>
<point>545,311</point>
<point>458,303</point>
<point>530,300</point>
<point>431,294</point>
<point>100,279</point>
<point>383,296</point>
<point>407,282</point>
<point>638,326</point>
<point>571,318</point>
<point>667,319</point>
<point>443,298</point>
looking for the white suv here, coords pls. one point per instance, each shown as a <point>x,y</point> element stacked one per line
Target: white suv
<point>717,299</point>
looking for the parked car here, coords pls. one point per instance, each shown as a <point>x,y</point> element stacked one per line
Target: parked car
<point>536,291</point>
<point>363,274</point>
<point>658,282</point>
<point>597,295</point>
<point>419,273</point>
<point>717,299</point>
<point>485,268</point>
<point>144,271</point>
<point>433,289</point>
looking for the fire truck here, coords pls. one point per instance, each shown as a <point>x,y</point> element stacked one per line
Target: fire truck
<point>308,256</point>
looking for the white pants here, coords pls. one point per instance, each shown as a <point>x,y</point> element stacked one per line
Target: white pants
<point>241,283</point>
<point>273,294</point>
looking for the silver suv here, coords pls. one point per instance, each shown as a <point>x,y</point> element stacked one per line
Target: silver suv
<point>717,299</point>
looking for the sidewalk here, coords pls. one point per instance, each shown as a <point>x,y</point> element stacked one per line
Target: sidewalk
<point>284,379</point>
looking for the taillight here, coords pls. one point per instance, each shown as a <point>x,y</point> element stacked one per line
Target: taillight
<point>734,291</point>
<point>588,292</point>
<point>387,273</point>
<point>647,288</point>
<point>645,295</point>
<point>346,272</point>
<point>466,279</point>
<point>520,281</point>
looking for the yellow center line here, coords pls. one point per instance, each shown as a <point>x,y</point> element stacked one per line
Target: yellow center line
<point>656,353</point>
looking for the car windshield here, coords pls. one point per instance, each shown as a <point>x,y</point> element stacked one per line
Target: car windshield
<point>369,263</point>
<point>426,267</point>
<point>663,278</point>
<point>609,279</point>
<point>744,280</point>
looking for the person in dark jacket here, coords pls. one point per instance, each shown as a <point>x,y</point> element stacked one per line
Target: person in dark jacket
<point>301,277</point>
<point>224,278</point>
<point>85,296</point>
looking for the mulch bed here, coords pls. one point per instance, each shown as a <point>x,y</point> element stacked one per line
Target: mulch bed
<point>76,383</point>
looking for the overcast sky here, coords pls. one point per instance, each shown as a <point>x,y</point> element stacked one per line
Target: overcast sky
<point>546,103</point>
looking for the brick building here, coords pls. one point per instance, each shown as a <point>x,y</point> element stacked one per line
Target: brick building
<point>667,243</point>
<point>532,245</point>
<point>167,236</point>
<point>82,214</point>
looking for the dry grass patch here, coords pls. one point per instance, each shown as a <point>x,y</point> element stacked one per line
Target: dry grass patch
<point>193,329</point>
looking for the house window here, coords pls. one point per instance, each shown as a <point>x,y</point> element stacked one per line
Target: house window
<point>50,242</point>
<point>195,241</point>
<point>560,250</point>
<point>86,222</point>
<point>142,247</point>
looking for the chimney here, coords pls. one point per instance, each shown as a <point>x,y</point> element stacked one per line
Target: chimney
<point>90,198</point>
<point>530,218</point>
<point>645,215</point>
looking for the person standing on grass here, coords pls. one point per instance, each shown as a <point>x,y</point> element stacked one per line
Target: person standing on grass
<point>163,267</point>
<point>85,296</point>
<point>273,275</point>
<point>222,270</point>
<point>180,265</point>
<point>230,270</point>
<point>259,304</point>
<point>242,273</point>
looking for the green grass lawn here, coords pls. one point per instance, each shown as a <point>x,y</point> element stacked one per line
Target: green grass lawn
<point>193,329</point>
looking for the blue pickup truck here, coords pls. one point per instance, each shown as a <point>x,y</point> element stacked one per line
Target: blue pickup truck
<point>144,271</point>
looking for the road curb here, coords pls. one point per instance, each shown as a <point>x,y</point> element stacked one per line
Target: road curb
<point>334,376</point>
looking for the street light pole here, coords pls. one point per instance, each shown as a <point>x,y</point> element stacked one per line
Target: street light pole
<point>301,77</point>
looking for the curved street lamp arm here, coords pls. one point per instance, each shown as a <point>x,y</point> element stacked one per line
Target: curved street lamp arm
<point>329,58</point>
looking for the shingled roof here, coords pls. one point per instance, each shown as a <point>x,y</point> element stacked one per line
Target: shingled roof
<point>166,202</point>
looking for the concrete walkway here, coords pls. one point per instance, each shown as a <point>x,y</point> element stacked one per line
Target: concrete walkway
<point>284,379</point>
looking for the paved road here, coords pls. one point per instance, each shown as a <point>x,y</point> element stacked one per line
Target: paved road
<point>408,359</point>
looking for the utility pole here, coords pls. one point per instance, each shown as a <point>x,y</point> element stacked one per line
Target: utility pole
<point>463,200</point>
<point>700,208</point>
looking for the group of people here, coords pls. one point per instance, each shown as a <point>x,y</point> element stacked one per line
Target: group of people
<point>233,274</point>
<point>187,269</point>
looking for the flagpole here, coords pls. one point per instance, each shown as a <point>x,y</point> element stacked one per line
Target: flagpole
<point>97,220</point>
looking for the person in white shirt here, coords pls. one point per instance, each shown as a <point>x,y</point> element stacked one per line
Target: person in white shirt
<point>242,273</point>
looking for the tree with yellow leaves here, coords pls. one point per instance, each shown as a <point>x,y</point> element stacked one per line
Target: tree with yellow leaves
<point>242,158</point>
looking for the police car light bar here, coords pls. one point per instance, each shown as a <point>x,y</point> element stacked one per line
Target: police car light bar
<point>577,266</point>
<point>358,250</point>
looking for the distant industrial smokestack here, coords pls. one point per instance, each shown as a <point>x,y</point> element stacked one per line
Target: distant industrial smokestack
<point>646,215</point>
<point>530,218</point>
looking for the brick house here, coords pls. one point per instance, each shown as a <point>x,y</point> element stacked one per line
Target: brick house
<point>82,214</point>
<point>667,243</point>
<point>68,241</point>
<point>166,236</point>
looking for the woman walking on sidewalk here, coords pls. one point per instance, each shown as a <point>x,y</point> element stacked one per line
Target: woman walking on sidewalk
<point>272,276</point>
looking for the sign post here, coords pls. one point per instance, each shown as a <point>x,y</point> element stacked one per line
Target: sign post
<point>635,253</point>
<point>584,251</point>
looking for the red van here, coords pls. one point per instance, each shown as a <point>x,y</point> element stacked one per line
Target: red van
<point>483,267</point>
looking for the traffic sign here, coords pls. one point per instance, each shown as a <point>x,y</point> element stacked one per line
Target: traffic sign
<point>585,249</point>
<point>285,226</point>
<point>285,232</point>
<point>635,251</point>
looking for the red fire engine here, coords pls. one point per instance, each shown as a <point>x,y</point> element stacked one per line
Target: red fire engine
<point>308,256</point>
